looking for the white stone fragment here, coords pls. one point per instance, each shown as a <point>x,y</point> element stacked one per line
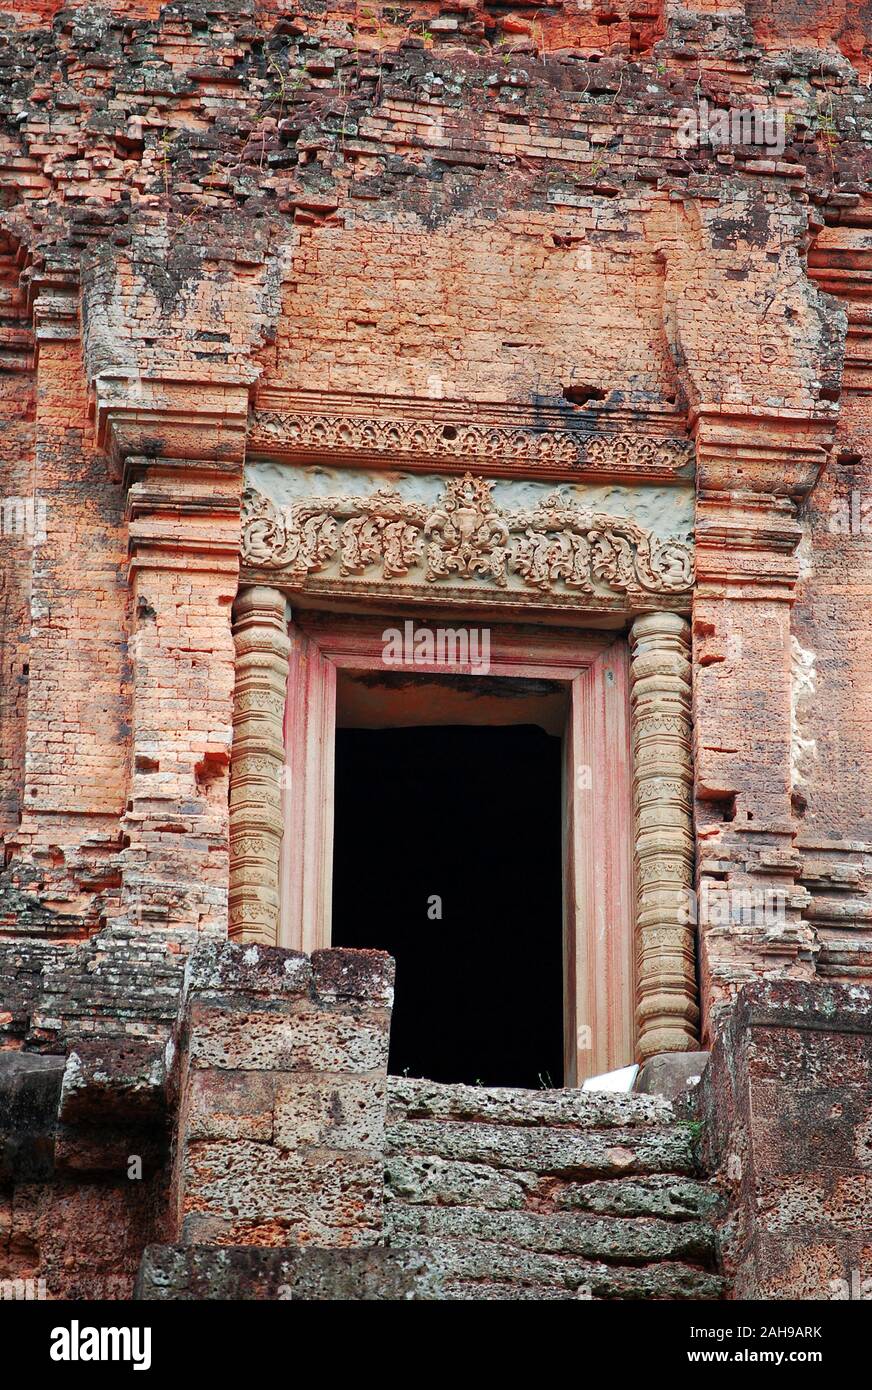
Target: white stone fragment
<point>621,1080</point>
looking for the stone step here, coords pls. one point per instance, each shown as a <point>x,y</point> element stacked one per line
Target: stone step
<point>476,1269</point>
<point>627,1240</point>
<point>410,1099</point>
<point>673,1282</point>
<point>419,1179</point>
<point>549,1194</point>
<point>675,1199</point>
<point>241,1272</point>
<point>562,1151</point>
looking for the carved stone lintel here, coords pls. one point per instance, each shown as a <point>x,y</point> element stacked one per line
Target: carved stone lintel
<point>457,443</point>
<point>667,1014</point>
<point>262,647</point>
<point>554,546</point>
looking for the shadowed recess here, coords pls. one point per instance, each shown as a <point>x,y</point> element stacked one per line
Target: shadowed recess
<point>448,855</point>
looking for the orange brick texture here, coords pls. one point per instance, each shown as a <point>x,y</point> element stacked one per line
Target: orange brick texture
<point>209,211</point>
<point>445,205</point>
<point>206,212</point>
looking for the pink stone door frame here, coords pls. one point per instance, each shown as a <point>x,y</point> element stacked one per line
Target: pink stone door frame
<point>599,967</point>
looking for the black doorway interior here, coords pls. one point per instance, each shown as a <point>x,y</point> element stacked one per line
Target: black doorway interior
<point>463,821</point>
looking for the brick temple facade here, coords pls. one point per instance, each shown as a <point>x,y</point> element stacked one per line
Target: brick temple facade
<point>339,345</point>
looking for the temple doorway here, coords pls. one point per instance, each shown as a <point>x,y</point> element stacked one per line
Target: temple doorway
<point>448,854</point>
<point>529,825</point>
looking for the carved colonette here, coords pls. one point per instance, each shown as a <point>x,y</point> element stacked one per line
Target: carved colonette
<point>262,647</point>
<point>667,1014</point>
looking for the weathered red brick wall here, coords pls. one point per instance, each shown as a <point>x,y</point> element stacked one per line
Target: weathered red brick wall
<point>77,699</point>
<point>18,407</point>
<point>445,202</point>
<point>437,205</point>
<point>203,209</point>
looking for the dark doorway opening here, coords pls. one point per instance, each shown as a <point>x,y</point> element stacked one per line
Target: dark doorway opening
<point>447,854</point>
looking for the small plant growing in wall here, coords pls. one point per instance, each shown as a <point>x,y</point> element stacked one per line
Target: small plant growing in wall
<point>826,124</point>
<point>828,133</point>
<point>281,83</point>
<point>372,20</point>
<point>694,1134</point>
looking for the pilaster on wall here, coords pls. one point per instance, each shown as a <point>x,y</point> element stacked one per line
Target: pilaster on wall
<point>61,874</point>
<point>752,472</point>
<point>831,627</point>
<point>184,481</point>
<point>184,567</point>
<point>759,350</point>
<point>17,411</point>
<point>666,1010</point>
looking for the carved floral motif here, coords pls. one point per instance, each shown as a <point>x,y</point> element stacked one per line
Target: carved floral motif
<point>562,541</point>
<point>400,439</point>
<point>387,531</point>
<point>277,539</point>
<point>465,534</point>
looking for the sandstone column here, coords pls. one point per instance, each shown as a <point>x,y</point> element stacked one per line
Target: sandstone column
<point>262,648</point>
<point>666,1009</point>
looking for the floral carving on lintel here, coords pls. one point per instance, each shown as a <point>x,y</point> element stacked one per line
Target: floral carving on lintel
<point>557,544</point>
<point>467,535</point>
<point>389,438</point>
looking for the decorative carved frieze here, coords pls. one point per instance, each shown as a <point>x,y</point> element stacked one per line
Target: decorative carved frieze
<point>262,647</point>
<point>456,443</point>
<point>667,1014</point>
<point>556,545</point>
